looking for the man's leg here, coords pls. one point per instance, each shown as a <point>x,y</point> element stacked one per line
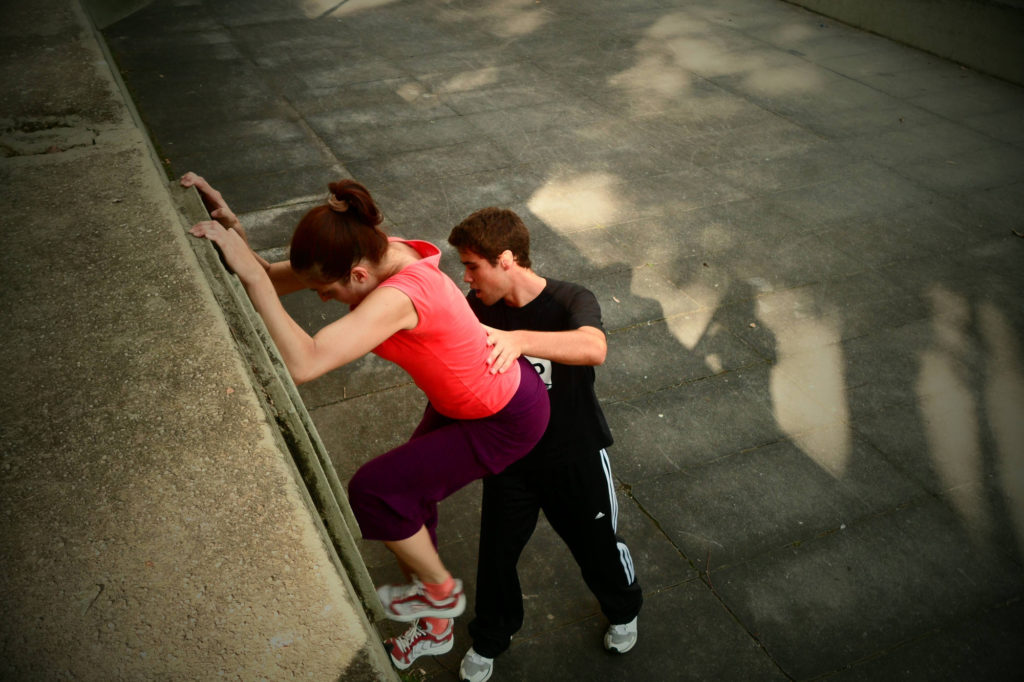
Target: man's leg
<point>580,502</point>
<point>508,518</point>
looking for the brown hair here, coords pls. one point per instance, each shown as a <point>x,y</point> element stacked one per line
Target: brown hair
<point>332,237</point>
<point>490,231</point>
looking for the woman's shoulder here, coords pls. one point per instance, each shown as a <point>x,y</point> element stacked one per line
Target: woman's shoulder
<point>419,274</point>
<point>415,249</point>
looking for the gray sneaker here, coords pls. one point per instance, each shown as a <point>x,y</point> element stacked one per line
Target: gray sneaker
<point>620,638</point>
<point>475,668</point>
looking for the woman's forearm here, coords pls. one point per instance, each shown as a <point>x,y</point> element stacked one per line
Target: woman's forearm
<point>296,347</point>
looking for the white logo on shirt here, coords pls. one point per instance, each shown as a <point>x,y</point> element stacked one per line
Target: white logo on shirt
<point>543,368</point>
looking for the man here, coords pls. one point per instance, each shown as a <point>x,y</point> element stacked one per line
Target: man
<point>557,325</point>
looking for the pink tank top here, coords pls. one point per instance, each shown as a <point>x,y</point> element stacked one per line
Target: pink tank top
<point>446,353</point>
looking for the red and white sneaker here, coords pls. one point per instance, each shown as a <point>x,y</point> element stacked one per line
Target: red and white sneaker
<point>408,602</point>
<point>418,641</point>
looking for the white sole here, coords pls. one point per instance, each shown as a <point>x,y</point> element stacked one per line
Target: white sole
<point>457,610</point>
<point>436,652</point>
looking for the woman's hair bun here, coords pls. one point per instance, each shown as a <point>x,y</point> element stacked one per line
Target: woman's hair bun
<point>349,196</point>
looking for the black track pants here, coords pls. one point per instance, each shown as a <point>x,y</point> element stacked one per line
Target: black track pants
<point>579,501</point>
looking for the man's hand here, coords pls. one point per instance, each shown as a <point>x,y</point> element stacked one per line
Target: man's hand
<point>215,204</point>
<point>506,349</point>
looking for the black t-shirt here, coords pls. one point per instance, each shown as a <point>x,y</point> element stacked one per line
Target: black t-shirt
<point>577,426</point>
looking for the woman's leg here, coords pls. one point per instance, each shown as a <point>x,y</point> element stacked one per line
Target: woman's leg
<point>394,496</point>
<point>418,557</point>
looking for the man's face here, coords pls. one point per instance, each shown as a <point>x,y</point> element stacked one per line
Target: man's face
<point>490,282</point>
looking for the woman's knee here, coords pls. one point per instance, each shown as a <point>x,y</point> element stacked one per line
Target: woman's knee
<point>363,485</point>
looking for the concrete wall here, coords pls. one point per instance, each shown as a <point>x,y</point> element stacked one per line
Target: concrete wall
<point>986,35</point>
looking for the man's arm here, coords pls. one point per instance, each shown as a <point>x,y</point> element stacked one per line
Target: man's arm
<point>583,346</point>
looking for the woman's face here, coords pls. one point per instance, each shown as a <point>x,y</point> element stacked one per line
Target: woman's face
<point>350,293</point>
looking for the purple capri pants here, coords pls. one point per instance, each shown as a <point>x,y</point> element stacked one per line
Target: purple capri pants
<point>394,494</point>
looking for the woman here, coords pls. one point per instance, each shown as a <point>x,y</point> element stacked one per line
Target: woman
<point>404,309</point>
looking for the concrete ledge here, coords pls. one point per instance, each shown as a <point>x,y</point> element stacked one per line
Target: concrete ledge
<point>278,393</point>
<point>986,35</point>
<point>280,399</point>
<point>155,526</point>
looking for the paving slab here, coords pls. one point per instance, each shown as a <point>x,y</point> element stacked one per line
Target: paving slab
<point>866,588</point>
<point>740,506</point>
<point>709,647</point>
<point>979,645</point>
<point>670,430</point>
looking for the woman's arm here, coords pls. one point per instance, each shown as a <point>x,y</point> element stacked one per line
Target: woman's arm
<point>383,312</point>
<point>214,202</point>
<point>281,273</point>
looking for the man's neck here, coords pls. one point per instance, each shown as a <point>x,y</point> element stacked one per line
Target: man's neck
<point>526,286</point>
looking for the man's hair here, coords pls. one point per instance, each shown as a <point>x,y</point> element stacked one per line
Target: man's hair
<point>490,231</point>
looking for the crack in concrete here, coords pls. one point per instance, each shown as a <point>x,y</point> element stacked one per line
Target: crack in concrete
<point>48,135</point>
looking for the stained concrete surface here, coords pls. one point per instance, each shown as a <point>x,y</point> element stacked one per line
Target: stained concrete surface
<point>983,34</point>
<point>806,242</point>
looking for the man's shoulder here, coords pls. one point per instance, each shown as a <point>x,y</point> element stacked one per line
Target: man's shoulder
<point>562,286</point>
<point>567,294</point>
<point>566,306</point>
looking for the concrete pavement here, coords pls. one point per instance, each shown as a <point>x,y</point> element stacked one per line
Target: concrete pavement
<point>806,243</point>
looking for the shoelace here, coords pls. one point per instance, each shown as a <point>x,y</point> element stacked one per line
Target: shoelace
<point>412,588</point>
<point>402,592</point>
<point>405,640</point>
